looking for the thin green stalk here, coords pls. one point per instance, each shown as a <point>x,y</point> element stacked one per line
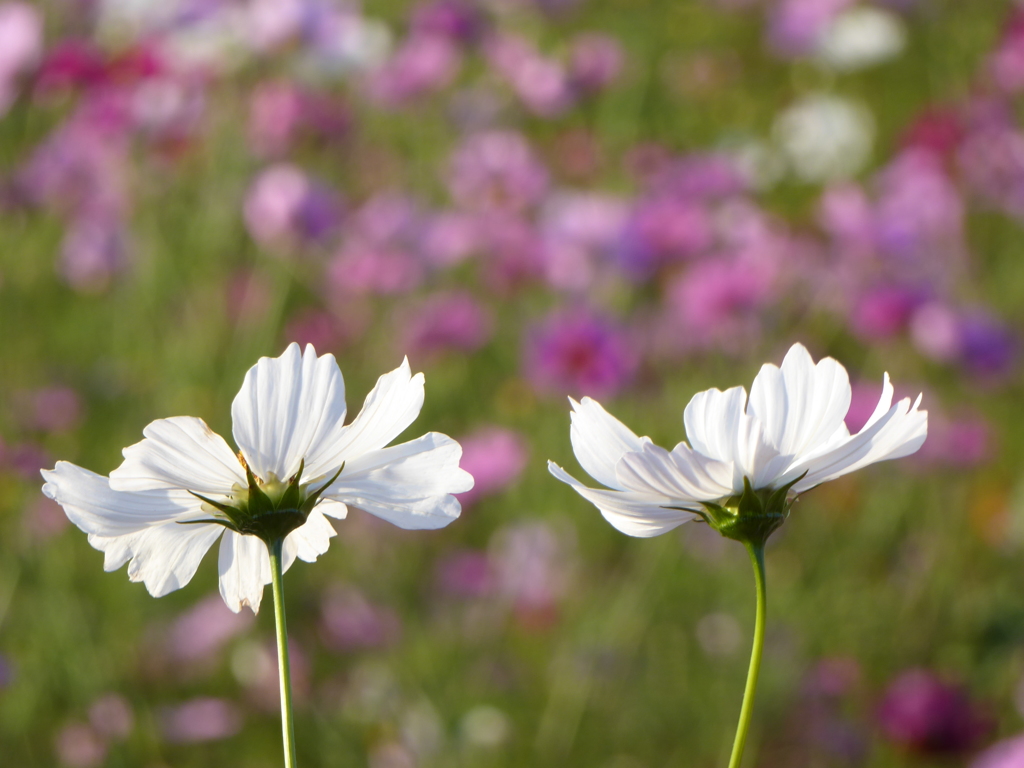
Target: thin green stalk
<point>287,719</point>
<point>747,710</point>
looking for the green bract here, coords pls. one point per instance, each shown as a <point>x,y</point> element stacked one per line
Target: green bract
<point>751,516</point>
<point>269,509</point>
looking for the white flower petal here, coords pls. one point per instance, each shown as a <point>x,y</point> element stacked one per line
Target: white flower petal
<point>310,540</point>
<point>682,475</point>
<point>91,504</point>
<point>712,419</point>
<point>635,514</point>
<point>180,452</point>
<point>599,440</point>
<point>290,408</point>
<point>244,566</point>
<point>163,557</point>
<point>897,432</point>
<point>392,405</point>
<point>409,485</point>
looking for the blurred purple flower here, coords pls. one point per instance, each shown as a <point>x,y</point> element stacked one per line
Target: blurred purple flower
<point>925,715</point>
<point>450,237</point>
<point>93,251</point>
<point>45,519</point>
<point>365,268</point>
<point>496,169</point>
<point>284,207</point>
<point>201,632</point>
<point>988,346</point>
<point>992,162</point>
<point>662,231</point>
<point>70,63</point>
<point>512,251</point>
<point>795,26</point>
<point>111,717</point>
<point>542,84</point>
<point>935,332</point>
<point>448,321</point>
<point>457,19</point>
<point>21,46</point>
<point>495,457</point>
<point>595,60</point>
<point>317,327</point>
<point>78,746</point>
<point>578,352</point>
<point>699,177</point>
<point>350,621</point>
<point>466,573</point>
<point>960,443</point>
<point>885,310</point>
<point>422,64</point>
<point>591,220</point>
<point>279,111</point>
<point>1008,753</point>
<point>846,214</point>
<point>27,459</point>
<point>201,719</point>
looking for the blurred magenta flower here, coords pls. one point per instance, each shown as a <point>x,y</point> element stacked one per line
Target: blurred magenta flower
<point>1008,753</point>
<point>280,112</point>
<point>350,621</point>
<point>541,83</point>
<point>52,409</point>
<point>988,346</point>
<point>795,27</point>
<point>285,207</point>
<point>317,327</point>
<point>925,715</point>
<point>595,60</point>
<point>664,230</point>
<point>1006,62</point>
<point>457,19</point>
<point>453,321</point>
<point>496,169</point>
<point>422,63</point>
<point>885,310</point>
<point>93,252</point>
<point>788,434</point>
<point>495,457</point>
<point>203,630</point>
<point>44,519</point>
<point>201,719</point>
<point>534,565</point>
<point>577,351</point>
<point>289,423</point>
<point>363,267</point>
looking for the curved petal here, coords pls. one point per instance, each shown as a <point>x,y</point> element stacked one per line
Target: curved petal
<point>290,408</point>
<point>180,452</point>
<point>392,405</point>
<point>310,540</point>
<point>890,433</point>
<point>91,504</point>
<point>682,475</point>
<point>599,440</point>
<point>164,557</point>
<point>244,565</point>
<point>712,419</point>
<point>818,399</point>
<point>633,513</point>
<point>409,485</point>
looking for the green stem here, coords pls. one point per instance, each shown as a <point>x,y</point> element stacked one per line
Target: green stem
<point>287,719</point>
<point>747,710</point>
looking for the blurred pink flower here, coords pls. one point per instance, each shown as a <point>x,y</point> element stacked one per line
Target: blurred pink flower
<point>21,46</point>
<point>450,237</point>
<point>247,297</point>
<point>285,207</point>
<point>350,621</point>
<point>884,311</point>
<point>93,252</point>
<point>534,565</point>
<point>79,746</point>
<point>457,19</point>
<point>495,457</point>
<point>935,332</point>
<point>925,715</point>
<point>496,169</point>
<point>542,84</point>
<point>577,352</point>
<point>200,719</point>
<point>44,519</point>
<point>512,250</point>
<point>595,60</point>
<point>795,26</point>
<point>1006,62</point>
<point>203,630</point>
<point>466,573</point>
<point>664,230</point>
<point>52,409</point>
<point>422,64</point>
<point>317,327</point>
<point>365,268</point>
<point>111,717</point>
<point>448,321</point>
<point>1008,753</point>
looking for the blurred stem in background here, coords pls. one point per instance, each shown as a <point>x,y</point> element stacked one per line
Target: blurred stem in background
<point>287,720</point>
<point>746,711</point>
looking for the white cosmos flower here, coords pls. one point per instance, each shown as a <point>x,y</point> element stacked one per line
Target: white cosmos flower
<point>288,417</point>
<point>791,428</point>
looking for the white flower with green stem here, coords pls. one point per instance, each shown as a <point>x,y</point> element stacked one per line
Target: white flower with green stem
<point>747,460</point>
<point>182,487</point>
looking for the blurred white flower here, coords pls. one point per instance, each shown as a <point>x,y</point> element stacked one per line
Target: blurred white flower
<point>861,37</point>
<point>182,487</point>
<point>825,137</point>
<point>790,430</point>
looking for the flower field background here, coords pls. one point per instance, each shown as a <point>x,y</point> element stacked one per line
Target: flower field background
<point>532,199</point>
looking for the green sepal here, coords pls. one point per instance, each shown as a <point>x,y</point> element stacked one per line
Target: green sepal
<point>259,503</point>
<point>292,496</point>
<point>313,498</point>
<point>752,516</point>
<point>234,513</point>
